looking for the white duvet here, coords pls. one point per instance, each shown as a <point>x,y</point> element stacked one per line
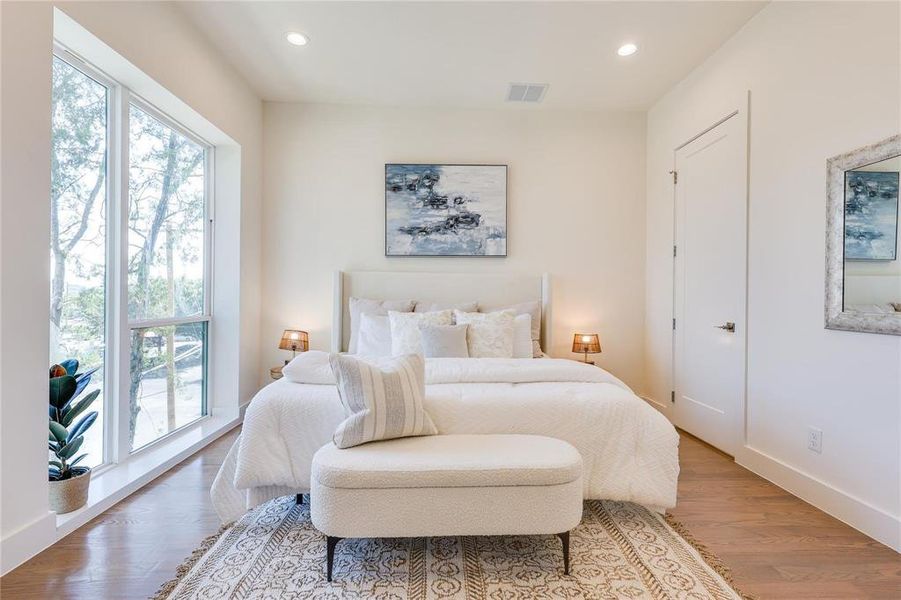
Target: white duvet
<point>629,450</point>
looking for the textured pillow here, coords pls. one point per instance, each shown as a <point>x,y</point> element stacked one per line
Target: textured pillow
<point>446,341</point>
<point>522,336</point>
<point>405,336</point>
<point>374,337</point>
<point>433,306</point>
<point>490,335</point>
<point>361,306</point>
<point>383,399</point>
<point>533,309</point>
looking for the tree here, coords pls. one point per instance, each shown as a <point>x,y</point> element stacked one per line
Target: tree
<point>161,201</point>
<point>77,194</point>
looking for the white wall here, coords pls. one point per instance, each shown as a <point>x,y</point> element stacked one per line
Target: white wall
<point>575,210</point>
<point>824,79</point>
<point>160,41</point>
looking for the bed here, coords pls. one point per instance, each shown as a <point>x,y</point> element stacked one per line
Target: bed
<point>630,451</point>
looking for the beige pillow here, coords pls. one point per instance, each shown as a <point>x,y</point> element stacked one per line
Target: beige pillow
<point>360,306</point>
<point>383,399</point>
<point>405,335</point>
<point>532,309</point>
<point>433,306</point>
<point>489,335</point>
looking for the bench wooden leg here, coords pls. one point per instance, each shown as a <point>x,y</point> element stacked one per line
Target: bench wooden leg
<point>564,537</point>
<point>330,543</point>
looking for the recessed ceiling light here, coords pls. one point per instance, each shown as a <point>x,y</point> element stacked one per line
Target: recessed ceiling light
<point>298,39</point>
<point>627,49</point>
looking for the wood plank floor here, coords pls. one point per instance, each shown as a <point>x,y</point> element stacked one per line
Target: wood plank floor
<point>776,545</point>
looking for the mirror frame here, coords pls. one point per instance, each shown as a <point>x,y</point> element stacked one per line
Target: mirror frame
<point>836,166</point>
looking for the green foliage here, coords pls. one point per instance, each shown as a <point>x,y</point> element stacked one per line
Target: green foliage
<point>66,435</point>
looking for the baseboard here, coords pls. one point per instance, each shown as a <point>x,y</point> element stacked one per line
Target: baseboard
<point>872,521</point>
<point>28,541</point>
<point>658,405</point>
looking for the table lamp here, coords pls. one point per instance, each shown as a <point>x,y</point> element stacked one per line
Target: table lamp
<point>294,340</point>
<point>587,343</point>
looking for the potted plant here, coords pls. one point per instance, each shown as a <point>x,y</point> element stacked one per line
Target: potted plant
<point>69,482</point>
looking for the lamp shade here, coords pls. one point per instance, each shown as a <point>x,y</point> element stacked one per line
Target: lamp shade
<point>586,343</point>
<point>295,340</point>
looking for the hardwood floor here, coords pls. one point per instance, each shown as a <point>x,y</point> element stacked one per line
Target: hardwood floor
<point>776,545</point>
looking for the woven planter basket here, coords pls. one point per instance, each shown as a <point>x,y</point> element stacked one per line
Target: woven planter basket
<point>69,494</point>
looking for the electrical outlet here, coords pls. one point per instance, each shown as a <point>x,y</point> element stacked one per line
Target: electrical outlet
<point>815,440</point>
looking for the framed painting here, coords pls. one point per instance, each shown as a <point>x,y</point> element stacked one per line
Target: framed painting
<point>871,215</point>
<point>445,210</point>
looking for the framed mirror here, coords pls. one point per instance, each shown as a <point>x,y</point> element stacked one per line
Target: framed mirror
<point>863,262</point>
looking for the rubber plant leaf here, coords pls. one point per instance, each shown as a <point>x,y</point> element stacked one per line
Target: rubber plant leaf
<point>77,408</point>
<point>62,390</point>
<point>59,432</point>
<point>67,451</point>
<point>70,365</point>
<point>82,426</point>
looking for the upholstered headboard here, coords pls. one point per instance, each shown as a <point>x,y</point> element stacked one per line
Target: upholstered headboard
<point>490,290</point>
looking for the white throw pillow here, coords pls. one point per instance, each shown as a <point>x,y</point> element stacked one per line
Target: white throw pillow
<point>446,341</point>
<point>522,336</point>
<point>433,306</point>
<point>405,335</point>
<point>532,309</point>
<point>383,399</point>
<point>374,337</point>
<point>360,306</point>
<point>490,335</point>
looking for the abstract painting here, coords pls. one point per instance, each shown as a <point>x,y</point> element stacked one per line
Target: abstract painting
<point>871,215</point>
<point>445,210</point>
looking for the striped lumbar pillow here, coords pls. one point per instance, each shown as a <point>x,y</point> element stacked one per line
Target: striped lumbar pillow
<point>383,398</point>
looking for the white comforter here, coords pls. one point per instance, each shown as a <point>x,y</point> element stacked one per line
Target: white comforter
<point>630,451</point>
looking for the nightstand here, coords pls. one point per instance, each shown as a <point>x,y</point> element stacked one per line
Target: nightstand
<point>276,372</point>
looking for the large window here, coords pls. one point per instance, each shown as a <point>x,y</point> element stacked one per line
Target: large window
<point>130,263</point>
<point>78,241</point>
<point>166,266</point>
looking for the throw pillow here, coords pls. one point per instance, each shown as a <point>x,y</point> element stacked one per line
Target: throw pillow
<point>384,399</point>
<point>533,309</point>
<point>374,337</point>
<point>361,306</point>
<point>490,335</point>
<point>405,335</point>
<point>446,341</point>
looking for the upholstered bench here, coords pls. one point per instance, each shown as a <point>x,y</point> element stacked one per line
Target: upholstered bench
<point>447,485</point>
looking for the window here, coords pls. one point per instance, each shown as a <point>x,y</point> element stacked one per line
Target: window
<point>130,264</point>
<point>78,241</point>
<point>166,266</point>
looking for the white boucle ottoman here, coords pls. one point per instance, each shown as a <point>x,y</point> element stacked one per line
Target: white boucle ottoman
<point>447,485</point>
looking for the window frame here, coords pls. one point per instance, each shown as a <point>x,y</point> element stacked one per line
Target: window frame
<point>117,326</point>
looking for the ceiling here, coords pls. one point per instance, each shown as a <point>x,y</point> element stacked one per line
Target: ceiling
<point>464,54</point>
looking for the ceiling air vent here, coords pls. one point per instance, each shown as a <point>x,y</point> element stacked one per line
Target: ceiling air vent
<point>526,92</point>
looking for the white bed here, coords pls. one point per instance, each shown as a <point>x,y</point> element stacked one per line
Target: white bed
<point>630,451</point>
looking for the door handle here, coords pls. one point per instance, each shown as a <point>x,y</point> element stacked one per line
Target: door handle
<point>729,326</point>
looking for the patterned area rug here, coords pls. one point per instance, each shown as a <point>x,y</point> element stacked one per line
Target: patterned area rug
<point>620,550</point>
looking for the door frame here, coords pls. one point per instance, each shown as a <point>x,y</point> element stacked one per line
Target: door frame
<point>742,111</point>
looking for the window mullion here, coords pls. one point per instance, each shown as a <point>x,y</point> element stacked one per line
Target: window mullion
<point>122,339</point>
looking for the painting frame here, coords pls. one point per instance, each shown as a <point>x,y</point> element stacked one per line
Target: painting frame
<point>861,222</point>
<point>504,180</point>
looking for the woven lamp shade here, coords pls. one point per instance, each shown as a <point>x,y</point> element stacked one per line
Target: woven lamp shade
<point>586,342</point>
<point>295,340</point>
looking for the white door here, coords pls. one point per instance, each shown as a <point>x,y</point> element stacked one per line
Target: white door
<point>709,284</point>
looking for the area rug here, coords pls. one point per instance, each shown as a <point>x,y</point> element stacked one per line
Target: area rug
<point>620,550</point>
